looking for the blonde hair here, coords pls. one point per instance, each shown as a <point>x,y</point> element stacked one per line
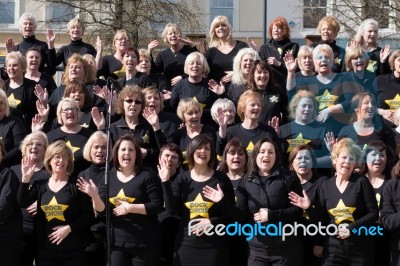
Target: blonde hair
<point>30,137</point>
<point>59,108</point>
<point>173,27</point>
<point>296,100</point>
<point>6,103</point>
<point>58,147</point>
<point>348,145</point>
<point>238,78</point>
<point>186,104</point>
<point>354,52</point>
<point>332,22</point>
<point>218,20</point>
<point>363,26</point>
<point>75,22</point>
<point>17,56</point>
<point>304,50</point>
<point>205,69</point>
<point>98,135</point>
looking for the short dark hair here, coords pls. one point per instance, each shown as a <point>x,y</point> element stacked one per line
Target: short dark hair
<point>293,154</point>
<point>174,148</point>
<point>139,157</point>
<point>197,142</point>
<point>236,144</point>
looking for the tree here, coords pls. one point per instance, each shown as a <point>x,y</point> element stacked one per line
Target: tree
<point>143,19</point>
<point>351,13</point>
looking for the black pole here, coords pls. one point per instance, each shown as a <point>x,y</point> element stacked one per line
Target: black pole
<point>107,171</point>
<point>265,23</point>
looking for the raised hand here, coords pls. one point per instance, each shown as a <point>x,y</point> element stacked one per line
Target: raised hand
<point>164,172</point>
<point>98,118</point>
<point>215,87</point>
<point>227,77</point>
<point>274,123</point>
<point>384,53</point>
<point>290,62</point>
<point>51,37</point>
<point>99,44</point>
<point>9,45</point>
<point>43,110</point>
<point>151,117</point>
<point>150,47</point>
<point>41,94</point>
<point>87,187</point>
<point>330,140</point>
<point>273,61</point>
<point>27,168</point>
<point>37,123</point>
<point>186,41</point>
<point>299,201</point>
<point>252,44</point>
<point>215,195</point>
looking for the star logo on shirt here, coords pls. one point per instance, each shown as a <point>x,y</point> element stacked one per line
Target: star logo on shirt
<point>372,65</point>
<point>53,210</point>
<point>378,199</point>
<point>280,50</point>
<point>274,99</point>
<point>338,60</point>
<point>12,101</point>
<point>299,140</point>
<point>326,100</point>
<point>202,105</point>
<point>120,73</point>
<point>121,197</point>
<point>198,207</point>
<point>394,103</point>
<point>146,138</point>
<point>85,125</point>
<point>73,149</point>
<point>342,213</point>
<point>250,147</point>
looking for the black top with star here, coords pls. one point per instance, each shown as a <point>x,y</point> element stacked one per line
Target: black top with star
<point>278,49</point>
<point>187,200</point>
<point>47,63</point>
<point>143,134</point>
<point>10,213</point>
<point>75,47</point>
<point>22,100</point>
<point>75,142</point>
<point>68,206</point>
<point>198,91</point>
<point>375,66</point>
<point>132,229</point>
<point>339,90</point>
<point>29,219</point>
<point>220,62</point>
<point>293,134</point>
<point>338,55</point>
<point>356,205</point>
<point>388,87</point>
<point>248,137</point>
<point>111,67</point>
<point>171,64</point>
<point>275,103</point>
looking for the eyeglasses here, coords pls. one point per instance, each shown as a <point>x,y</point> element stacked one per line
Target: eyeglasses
<point>59,157</point>
<point>72,109</point>
<point>131,101</point>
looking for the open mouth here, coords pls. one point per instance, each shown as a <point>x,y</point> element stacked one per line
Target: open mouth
<point>152,107</point>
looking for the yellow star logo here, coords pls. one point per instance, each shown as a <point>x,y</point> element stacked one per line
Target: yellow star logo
<point>121,197</point>
<point>372,65</point>
<point>299,140</point>
<point>198,207</point>
<point>326,100</point>
<point>378,199</point>
<point>53,210</point>
<point>342,213</point>
<point>12,101</point>
<point>394,104</point>
<point>120,73</point>
<point>202,105</point>
<point>274,99</point>
<point>250,147</point>
<point>338,60</point>
<point>146,138</point>
<point>73,149</point>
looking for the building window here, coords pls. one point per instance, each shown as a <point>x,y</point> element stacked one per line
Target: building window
<point>7,12</point>
<point>313,12</point>
<point>60,13</point>
<point>221,8</point>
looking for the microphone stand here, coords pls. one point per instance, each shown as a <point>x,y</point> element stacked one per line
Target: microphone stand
<point>106,176</point>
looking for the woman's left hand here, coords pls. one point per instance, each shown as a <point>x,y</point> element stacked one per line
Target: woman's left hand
<point>323,115</point>
<point>198,228</point>
<point>274,123</point>
<point>122,208</point>
<point>212,194</point>
<point>301,202</point>
<point>261,216</point>
<point>59,234</point>
<point>384,53</point>
<point>41,94</point>
<point>215,87</point>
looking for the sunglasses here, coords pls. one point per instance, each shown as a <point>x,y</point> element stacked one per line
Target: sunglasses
<point>131,101</point>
